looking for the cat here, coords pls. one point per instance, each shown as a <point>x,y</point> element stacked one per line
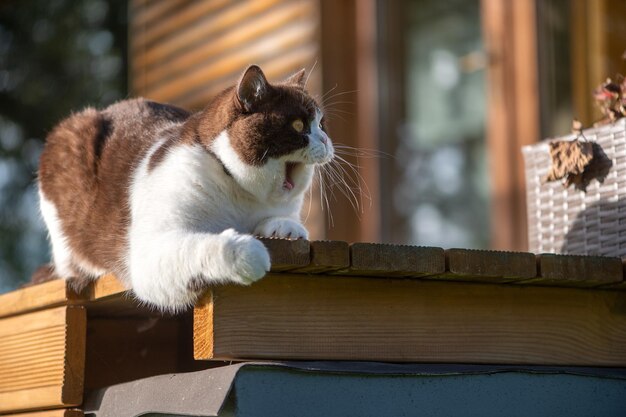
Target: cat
<point>169,201</point>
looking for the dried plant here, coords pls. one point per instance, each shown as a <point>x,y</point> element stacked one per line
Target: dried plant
<point>611,98</point>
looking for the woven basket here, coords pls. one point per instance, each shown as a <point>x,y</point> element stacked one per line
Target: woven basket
<point>571,221</point>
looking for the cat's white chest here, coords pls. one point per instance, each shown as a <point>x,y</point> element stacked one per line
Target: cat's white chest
<point>190,190</point>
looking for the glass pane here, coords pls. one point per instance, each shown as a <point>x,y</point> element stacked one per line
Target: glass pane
<point>581,43</point>
<point>442,192</point>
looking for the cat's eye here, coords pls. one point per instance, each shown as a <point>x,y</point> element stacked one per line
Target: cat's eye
<point>298,125</point>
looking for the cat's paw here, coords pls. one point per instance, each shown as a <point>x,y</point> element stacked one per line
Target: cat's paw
<point>247,258</point>
<point>282,227</point>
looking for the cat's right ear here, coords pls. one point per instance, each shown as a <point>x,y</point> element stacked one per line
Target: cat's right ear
<point>252,88</point>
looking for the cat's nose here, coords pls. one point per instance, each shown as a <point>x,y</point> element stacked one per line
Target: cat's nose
<point>323,139</point>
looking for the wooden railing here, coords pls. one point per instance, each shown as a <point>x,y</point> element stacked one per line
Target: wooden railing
<point>321,301</point>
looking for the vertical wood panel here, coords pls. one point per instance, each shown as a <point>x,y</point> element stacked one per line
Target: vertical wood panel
<point>512,105</point>
<point>348,56</point>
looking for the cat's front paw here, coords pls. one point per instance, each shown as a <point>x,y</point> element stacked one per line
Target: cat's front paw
<point>282,227</point>
<point>248,258</point>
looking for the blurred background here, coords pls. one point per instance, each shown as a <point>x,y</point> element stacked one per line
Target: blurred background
<point>439,96</point>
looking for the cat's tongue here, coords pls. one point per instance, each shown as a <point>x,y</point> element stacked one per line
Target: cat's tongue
<point>288,183</point>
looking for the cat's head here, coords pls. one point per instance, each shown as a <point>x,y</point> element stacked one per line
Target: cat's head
<point>275,135</point>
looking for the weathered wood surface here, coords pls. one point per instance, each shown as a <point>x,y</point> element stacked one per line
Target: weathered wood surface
<point>64,412</point>
<point>577,271</point>
<point>351,318</point>
<point>488,266</point>
<point>326,256</point>
<point>45,295</point>
<point>56,293</point>
<point>42,356</point>
<point>363,259</point>
<point>323,300</point>
<point>377,259</point>
<point>287,254</point>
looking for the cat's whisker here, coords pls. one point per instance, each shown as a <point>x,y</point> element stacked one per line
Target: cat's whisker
<point>324,200</point>
<point>339,177</point>
<point>329,104</point>
<point>337,116</point>
<point>333,110</point>
<point>309,196</point>
<point>357,181</point>
<point>310,72</point>
<point>337,94</point>
<point>360,152</point>
<point>329,91</point>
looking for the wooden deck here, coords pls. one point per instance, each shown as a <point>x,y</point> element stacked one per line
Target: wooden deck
<point>322,301</point>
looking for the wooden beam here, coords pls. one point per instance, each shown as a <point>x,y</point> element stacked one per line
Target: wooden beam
<point>326,256</point>
<point>377,259</point>
<point>65,412</point>
<point>577,271</point>
<point>48,294</point>
<point>289,317</point>
<point>42,358</point>
<point>488,266</point>
<point>287,254</point>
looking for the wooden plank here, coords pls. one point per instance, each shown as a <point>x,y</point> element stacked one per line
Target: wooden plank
<point>287,254</point>
<point>326,256</point>
<point>64,412</point>
<point>351,318</point>
<point>42,357</point>
<point>377,259</point>
<point>203,336</point>
<point>106,286</point>
<point>488,266</point>
<point>577,271</point>
<point>49,294</point>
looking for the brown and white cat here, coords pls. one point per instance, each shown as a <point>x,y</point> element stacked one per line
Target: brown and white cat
<point>169,201</point>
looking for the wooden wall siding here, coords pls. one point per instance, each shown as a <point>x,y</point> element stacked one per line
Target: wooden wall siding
<point>42,358</point>
<point>185,52</point>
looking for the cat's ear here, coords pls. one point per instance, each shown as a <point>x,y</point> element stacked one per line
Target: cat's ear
<point>252,88</point>
<point>298,79</point>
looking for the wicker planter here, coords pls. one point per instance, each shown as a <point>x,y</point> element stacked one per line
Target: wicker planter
<point>571,221</point>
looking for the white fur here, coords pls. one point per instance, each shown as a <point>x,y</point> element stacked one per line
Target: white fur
<point>190,220</point>
<point>65,261</point>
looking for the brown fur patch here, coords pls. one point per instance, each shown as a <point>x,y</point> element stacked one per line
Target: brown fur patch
<point>86,168</point>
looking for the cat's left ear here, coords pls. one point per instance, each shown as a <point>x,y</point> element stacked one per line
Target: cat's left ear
<point>298,79</point>
<point>252,88</point>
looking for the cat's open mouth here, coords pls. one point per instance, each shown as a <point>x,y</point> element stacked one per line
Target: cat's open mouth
<point>290,169</point>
